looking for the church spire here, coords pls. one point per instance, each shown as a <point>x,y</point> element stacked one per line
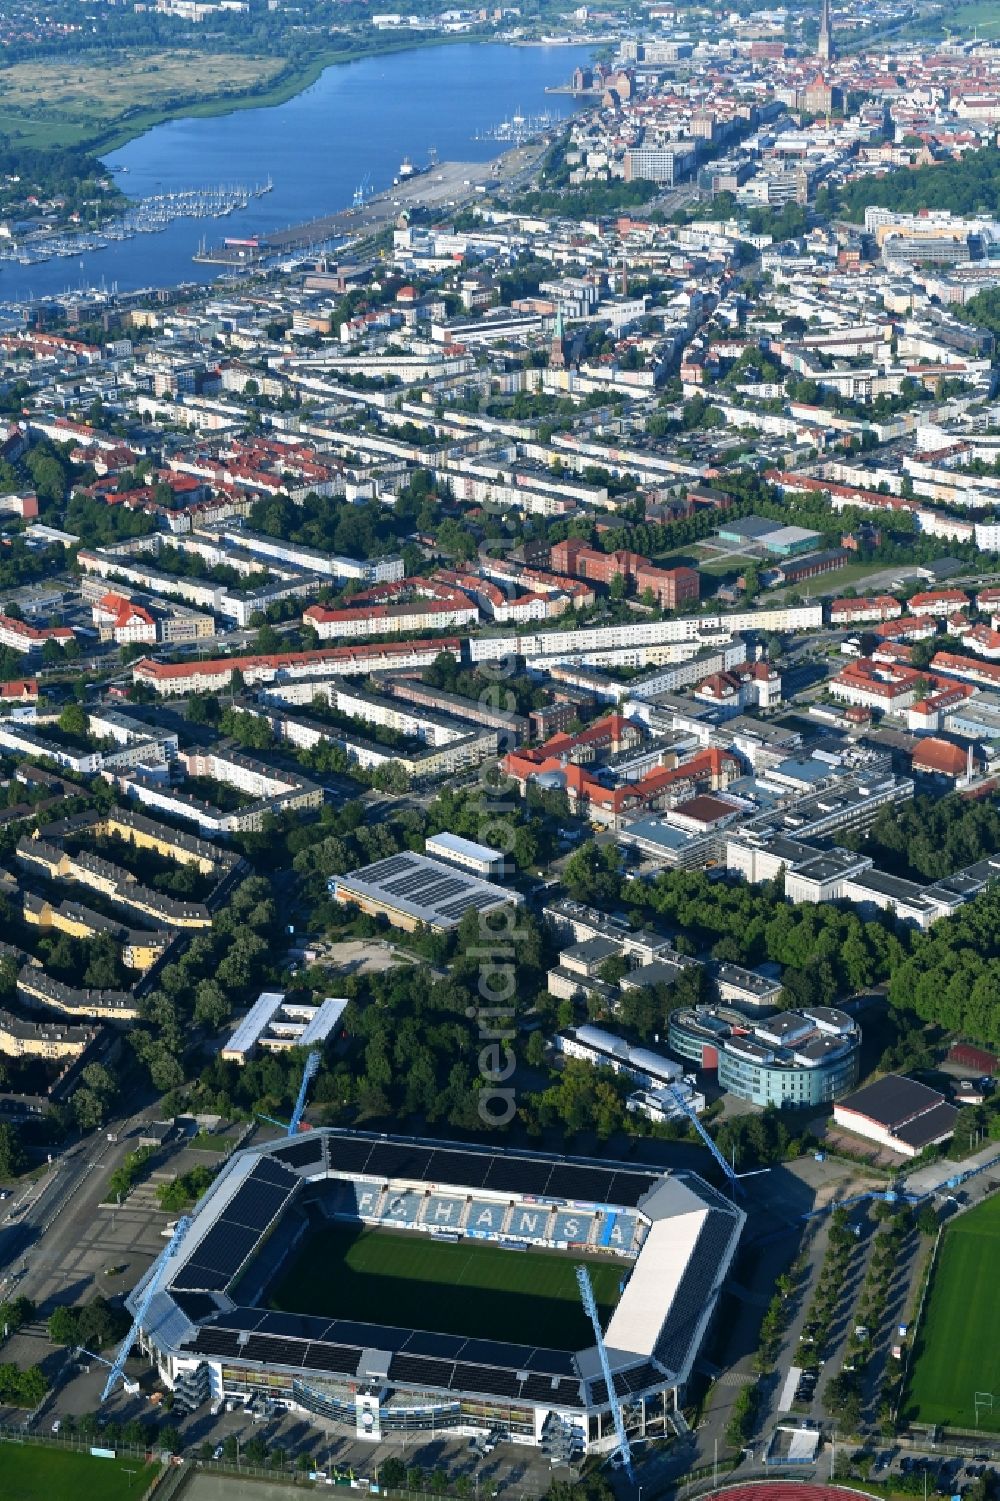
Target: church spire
<point>824,47</point>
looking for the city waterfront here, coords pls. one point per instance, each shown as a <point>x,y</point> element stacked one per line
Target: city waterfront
<point>318,149</point>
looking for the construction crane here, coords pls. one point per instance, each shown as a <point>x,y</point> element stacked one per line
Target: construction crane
<point>622,1457</point>
<point>130,1386</point>
<point>308,1074</point>
<point>732,1177</point>
<point>117,1371</point>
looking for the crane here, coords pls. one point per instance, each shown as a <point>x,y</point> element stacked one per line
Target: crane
<point>731,1176</point>
<point>130,1386</point>
<point>362,190</point>
<point>622,1456</point>
<point>142,1307</point>
<point>308,1074</point>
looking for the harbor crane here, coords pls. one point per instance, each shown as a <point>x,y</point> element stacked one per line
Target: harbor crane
<point>308,1075</point>
<point>363,190</point>
<point>117,1371</point>
<point>622,1456</point>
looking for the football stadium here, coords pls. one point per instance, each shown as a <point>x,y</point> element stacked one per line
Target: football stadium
<point>391,1286</point>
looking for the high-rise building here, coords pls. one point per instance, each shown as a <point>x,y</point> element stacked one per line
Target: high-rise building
<point>824,47</point>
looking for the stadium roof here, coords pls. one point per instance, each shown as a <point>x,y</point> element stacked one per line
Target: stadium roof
<point>691,1231</point>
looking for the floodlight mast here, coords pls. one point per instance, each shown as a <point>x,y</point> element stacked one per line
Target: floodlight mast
<point>117,1371</point>
<point>624,1451</point>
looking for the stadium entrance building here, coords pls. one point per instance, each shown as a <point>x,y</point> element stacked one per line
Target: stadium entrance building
<point>211,1333</point>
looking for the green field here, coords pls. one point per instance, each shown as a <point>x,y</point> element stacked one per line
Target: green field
<point>29,1472</point>
<point>981,17</point>
<point>958,1348</point>
<point>529,1297</point>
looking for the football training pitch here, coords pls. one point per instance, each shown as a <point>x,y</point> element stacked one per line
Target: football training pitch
<point>957,1353</point>
<point>31,1472</point>
<point>412,1281</point>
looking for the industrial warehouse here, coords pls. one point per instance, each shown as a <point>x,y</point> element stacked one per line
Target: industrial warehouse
<point>659,1244</point>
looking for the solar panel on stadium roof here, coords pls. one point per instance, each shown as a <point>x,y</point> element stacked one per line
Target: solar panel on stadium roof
<point>368,1336</point>
<point>483,1378</point>
<point>226,1247</point>
<point>517,1175</point>
<point>627,1189</point>
<point>220,1342</point>
<point>638,1379</point>
<point>341,1359</point>
<point>396,1160</point>
<point>545,1389</point>
<point>692,1295</point>
<point>348,1154</point>
<point>463,1169</point>
<point>552,1362</point>
<point>255,1204</point>
<point>441,1346</point>
<point>272,1351</point>
<point>714,1197</point>
<point>303,1153</point>
<point>417,1371</point>
<point>588,1183</point>
<point>496,1353</point>
<point>195,1306</point>
<point>271,1170</point>
<point>200,1278</point>
<point>291,1325</point>
<point>244,1318</point>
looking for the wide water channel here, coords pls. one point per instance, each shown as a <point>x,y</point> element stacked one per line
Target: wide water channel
<point>354,125</point>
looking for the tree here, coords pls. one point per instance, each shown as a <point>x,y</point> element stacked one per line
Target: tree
<point>89,1108</point>
<point>73,721</point>
<point>211,1008</point>
<point>64,1325</point>
<point>255,1450</point>
<point>927,1220</point>
<point>535,1051</point>
<point>100,1324</point>
<point>12,1158</point>
<point>392,1473</point>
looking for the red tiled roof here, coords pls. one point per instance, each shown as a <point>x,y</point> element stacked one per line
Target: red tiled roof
<point>940,756</point>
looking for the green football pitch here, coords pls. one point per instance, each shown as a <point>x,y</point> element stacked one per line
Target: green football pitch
<point>477,1289</point>
<point>957,1353</point>
<point>30,1472</point>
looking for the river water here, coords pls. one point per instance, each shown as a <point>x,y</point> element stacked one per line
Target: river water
<point>357,121</point>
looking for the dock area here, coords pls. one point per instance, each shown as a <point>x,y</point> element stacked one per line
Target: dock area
<point>446,185</point>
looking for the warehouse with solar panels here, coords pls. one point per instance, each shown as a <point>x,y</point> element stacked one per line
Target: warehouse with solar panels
<point>413,891</point>
<point>212,1335</point>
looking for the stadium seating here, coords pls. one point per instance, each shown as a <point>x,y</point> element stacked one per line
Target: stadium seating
<point>400,1207</point>
<point>613,1230</point>
<point>444,1212</point>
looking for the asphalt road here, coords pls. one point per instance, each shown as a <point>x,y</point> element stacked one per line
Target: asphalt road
<point>54,1228</point>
